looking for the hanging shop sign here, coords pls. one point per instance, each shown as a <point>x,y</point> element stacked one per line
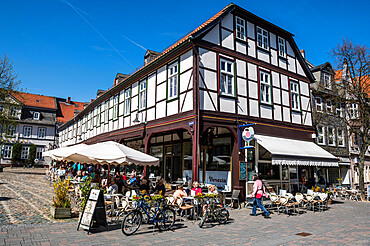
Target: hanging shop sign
<point>247,134</point>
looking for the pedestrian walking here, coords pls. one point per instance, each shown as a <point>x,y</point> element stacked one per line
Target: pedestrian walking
<point>258,192</point>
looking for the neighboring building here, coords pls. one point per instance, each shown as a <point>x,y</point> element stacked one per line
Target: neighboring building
<point>185,106</point>
<point>331,131</point>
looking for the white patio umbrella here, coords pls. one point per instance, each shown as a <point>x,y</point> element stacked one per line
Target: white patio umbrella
<point>112,153</point>
<point>61,154</point>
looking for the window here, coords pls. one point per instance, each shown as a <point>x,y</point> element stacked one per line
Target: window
<point>240,28</point>
<point>39,151</point>
<point>42,132</point>
<point>172,83</point>
<point>318,103</point>
<point>331,136</point>
<point>1,108</point>
<point>36,115</point>
<point>98,115</point>
<point>329,107</point>
<point>294,95</point>
<point>106,112</point>
<point>340,109</point>
<point>265,87</point>
<point>7,152</point>
<point>127,101</point>
<point>326,80</point>
<point>262,38</point>
<point>353,111</point>
<point>226,77</point>
<point>320,135</point>
<point>10,130</point>
<point>281,43</point>
<point>25,152</point>
<point>13,111</point>
<point>340,135</point>
<point>142,95</point>
<point>115,107</point>
<point>27,131</point>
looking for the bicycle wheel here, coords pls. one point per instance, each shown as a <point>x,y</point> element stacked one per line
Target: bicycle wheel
<point>223,215</point>
<point>131,222</point>
<point>166,219</point>
<point>203,219</point>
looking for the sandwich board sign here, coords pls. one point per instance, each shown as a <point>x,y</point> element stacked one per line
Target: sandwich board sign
<point>94,210</point>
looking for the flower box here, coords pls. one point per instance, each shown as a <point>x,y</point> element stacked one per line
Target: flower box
<point>60,213</point>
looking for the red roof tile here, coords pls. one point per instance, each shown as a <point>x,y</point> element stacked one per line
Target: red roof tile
<point>35,100</point>
<point>67,111</point>
<point>365,83</point>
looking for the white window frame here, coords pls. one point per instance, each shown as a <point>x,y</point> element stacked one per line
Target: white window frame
<point>265,87</point>
<point>36,115</point>
<point>8,149</point>
<point>41,132</point>
<point>320,135</point>
<point>115,107</point>
<point>39,151</point>
<point>127,102</point>
<point>294,96</point>
<point>27,131</point>
<point>340,136</point>
<point>240,28</point>
<point>326,78</point>
<point>25,152</point>
<point>353,110</point>
<point>10,131</point>
<point>281,46</point>
<point>339,109</point>
<point>173,81</point>
<point>13,111</point>
<point>331,135</point>
<point>227,82</point>
<point>106,112</point>
<point>262,38</point>
<point>142,95</point>
<point>329,106</point>
<point>318,104</point>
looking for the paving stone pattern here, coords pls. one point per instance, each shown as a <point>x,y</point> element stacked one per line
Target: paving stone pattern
<point>346,223</point>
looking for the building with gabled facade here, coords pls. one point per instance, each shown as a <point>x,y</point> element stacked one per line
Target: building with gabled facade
<point>185,106</point>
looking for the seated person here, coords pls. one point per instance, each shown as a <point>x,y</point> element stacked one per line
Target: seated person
<point>179,193</point>
<point>144,185</point>
<point>160,187</point>
<point>113,188</point>
<point>85,175</point>
<point>212,190</point>
<point>196,188</point>
<point>132,182</point>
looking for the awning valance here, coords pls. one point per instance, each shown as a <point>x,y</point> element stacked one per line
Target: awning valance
<point>296,152</point>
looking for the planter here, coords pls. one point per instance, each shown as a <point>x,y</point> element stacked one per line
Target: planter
<point>60,213</point>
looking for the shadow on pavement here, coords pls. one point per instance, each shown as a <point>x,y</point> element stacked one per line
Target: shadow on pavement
<point>5,198</point>
<point>25,172</point>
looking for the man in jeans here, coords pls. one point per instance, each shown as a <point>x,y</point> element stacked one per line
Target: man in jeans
<point>258,192</point>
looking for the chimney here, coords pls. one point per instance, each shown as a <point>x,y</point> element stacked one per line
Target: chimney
<point>119,78</point>
<point>69,100</point>
<point>303,53</point>
<point>91,100</point>
<point>150,55</point>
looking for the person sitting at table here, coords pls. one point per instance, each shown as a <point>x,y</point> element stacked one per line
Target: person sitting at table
<point>196,189</point>
<point>113,188</point>
<point>85,175</point>
<point>212,190</point>
<point>119,183</point>
<point>144,185</point>
<point>133,181</point>
<point>160,187</point>
<point>96,179</point>
<point>179,193</point>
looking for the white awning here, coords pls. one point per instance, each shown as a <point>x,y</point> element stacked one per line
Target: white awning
<point>296,152</point>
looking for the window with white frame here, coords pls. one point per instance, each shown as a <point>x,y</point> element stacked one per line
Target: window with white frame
<point>36,115</point>
<point>39,151</point>
<point>262,38</point>
<point>331,136</point>
<point>106,112</point>
<point>98,115</point>
<point>115,107</point>
<point>340,109</point>
<point>27,131</point>
<point>172,83</point>
<point>42,132</point>
<point>265,87</point>
<point>281,42</point>
<point>294,95</point>
<point>13,111</point>
<point>25,152</point>
<point>320,135</point>
<point>326,80</point>
<point>7,152</point>
<point>142,95</point>
<point>226,77</point>
<point>10,130</point>
<point>329,107</point>
<point>340,136</point>
<point>240,28</point>
<point>318,103</point>
<point>353,111</point>
<point>127,101</point>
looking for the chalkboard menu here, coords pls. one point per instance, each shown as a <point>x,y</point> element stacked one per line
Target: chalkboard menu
<point>243,170</point>
<point>94,210</point>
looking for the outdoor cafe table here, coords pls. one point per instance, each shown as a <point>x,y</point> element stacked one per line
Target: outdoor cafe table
<point>112,197</point>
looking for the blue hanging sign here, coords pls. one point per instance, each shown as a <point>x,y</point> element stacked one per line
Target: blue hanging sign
<point>247,135</point>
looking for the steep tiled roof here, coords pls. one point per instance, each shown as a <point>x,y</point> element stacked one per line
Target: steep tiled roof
<point>67,110</point>
<point>338,75</point>
<point>34,100</point>
<point>365,80</point>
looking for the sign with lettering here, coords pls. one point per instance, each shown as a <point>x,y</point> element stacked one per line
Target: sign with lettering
<point>243,171</point>
<point>191,123</point>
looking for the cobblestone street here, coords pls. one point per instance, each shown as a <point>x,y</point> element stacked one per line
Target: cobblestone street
<point>25,197</point>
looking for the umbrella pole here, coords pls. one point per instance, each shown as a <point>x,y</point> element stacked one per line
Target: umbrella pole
<point>108,176</point>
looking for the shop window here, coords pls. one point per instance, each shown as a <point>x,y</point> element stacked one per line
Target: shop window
<point>293,172</point>
<point>269,171</point>
<point>285,172</point>
<point>188,159</point>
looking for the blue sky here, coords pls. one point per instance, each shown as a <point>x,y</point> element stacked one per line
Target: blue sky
<point>73,48</point>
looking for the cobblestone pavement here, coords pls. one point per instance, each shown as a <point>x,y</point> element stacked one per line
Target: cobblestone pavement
<point>345,223</point>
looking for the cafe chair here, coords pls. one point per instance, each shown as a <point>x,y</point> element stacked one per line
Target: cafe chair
<point>311,201</point>
<point>299,201</point>
<point>234,197</point>
<point>275,201</point>
<point>323,201</point>
<point>182,207</point>
<point>286,204</point>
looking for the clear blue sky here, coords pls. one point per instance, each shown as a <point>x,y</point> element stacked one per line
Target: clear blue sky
<point>57,53</point>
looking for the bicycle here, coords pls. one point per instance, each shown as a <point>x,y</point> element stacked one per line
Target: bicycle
<point>213,211</point>
<point>163,218</point>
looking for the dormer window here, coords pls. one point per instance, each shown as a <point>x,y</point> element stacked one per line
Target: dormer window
<point>327,80</point>
<point>240,28</point>
<point>262,38</point>
<point>36,115</point>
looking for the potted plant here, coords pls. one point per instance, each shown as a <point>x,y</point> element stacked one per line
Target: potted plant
<point>61,207</point>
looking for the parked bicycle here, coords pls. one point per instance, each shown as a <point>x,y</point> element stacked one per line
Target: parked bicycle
<point>213,210</point>
<point>152,210</point>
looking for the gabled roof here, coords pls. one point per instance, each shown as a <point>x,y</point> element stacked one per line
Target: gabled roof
<point>321,67</point>
<point>67,111</point>
<point>34,100</point>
